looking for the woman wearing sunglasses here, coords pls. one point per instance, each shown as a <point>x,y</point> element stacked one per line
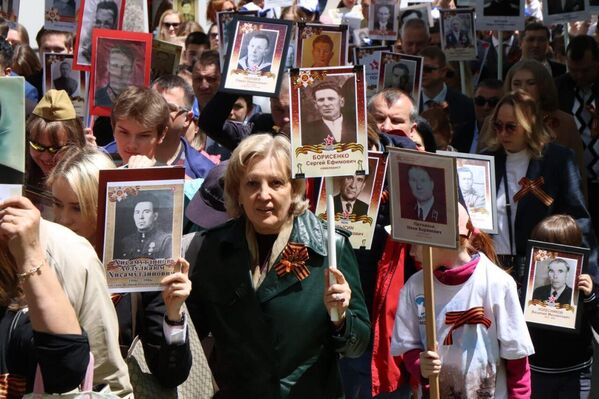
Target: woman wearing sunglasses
<point>52,125</point>
<point>170,25</point>
<point>535,178</point>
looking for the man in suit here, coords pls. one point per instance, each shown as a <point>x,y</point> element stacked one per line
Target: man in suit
<point>414,36</point>
<point>347,198</point>
<point>562,6</point>
<point>424,207</point>
<point>399,78</point>
<point>384,21</point>
<point>501,8</point>
<point>534,43</point>
<point>64,82</point>
<point>472,198</point>
<point>557,291</point>
<point>331,126</point>
<point>434,90</point>
<point>456,37</point>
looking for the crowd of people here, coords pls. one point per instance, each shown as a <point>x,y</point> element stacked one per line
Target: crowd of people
<point>253,277</point>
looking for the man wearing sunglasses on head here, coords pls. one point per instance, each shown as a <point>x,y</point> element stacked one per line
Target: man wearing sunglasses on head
<point>486,96</point>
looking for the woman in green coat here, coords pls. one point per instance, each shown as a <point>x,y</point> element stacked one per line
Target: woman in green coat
<point>260,285</point>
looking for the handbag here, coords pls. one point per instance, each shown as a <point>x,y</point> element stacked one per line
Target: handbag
<point>145,386</point>
<point>85,389</point>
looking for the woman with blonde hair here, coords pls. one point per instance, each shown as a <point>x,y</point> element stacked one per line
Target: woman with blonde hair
<point>263,277</point>
<point>169,25</point>
<point>535,178</point>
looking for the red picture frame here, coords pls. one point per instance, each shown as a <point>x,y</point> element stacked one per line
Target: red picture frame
<point>139,51</point>
<point>78,63</point>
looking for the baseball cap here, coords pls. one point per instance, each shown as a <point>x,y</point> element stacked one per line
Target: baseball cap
<point>207,207</point>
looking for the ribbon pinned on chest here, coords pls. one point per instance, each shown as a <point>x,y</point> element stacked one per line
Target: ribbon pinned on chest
<point>533,186</point>
<point>294,260</point>
<point>457,319</point>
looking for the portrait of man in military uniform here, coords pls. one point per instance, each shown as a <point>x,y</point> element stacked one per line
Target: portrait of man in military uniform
<point>148,240</point>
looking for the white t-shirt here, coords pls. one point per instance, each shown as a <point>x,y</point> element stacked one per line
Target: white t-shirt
<point>472,365</point>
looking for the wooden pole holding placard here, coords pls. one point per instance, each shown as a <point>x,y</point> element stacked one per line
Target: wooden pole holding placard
<point>499,55</point>
<point>463,77</point>
<point>332,249</point>
<point>429,309</point>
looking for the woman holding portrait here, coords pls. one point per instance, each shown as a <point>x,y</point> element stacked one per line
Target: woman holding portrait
<point>535,178</point>
<point>261,285</point>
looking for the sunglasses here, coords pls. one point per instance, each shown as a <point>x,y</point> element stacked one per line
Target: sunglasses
<point>509,127</point>
<point>40,148</point>
<point>481,101</point>
<point>171,24</point>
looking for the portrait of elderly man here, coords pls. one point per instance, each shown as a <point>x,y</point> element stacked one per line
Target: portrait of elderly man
<point>557,291</point>
<point>350,188</point>
<point>457,36</point>
<point>383,20</point>
<point>331,125</point>
<point>398,78</point>
<point>149,240</point>
<point>120,68</point>
<point>65,82</point>
<point>105,17</point>
<point>256,60</point>
<point>423,205</point>
<point>322,51</point>
<point>473,198</point>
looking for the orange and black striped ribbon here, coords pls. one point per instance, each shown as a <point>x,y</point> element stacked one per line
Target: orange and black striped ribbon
<point>457,319</point>
<point>533,186</point>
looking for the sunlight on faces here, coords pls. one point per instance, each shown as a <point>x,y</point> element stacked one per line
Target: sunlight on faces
<point>511,141</point>
<point>433,72</point>
<point>525,80</point>
<point>352,186</point>
<point>67,211</point>
<point>133,138</point>
<point>45,159</point>
<point>178,121</point>
<point>257,49</point>
<point>205,79</point>
<point>54,43</point>
<point>171,23</point>
<point>396,117</point>
<point>265,195</point>
<point>239,111</point>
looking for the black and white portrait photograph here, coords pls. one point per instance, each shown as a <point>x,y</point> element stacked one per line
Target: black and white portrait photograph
<point>399,76</point>
<point>370,58</point>
<point>420,11</point>
<point>165,58</point>
<point>551,297</point>
<point>500,14</point>
<point>59,74</point>
<point>61,15</point>
<point>407,77</point>
<point>361,38</point>
<point>223,19</point>
<point>423,198</point>
<point>257,51</point>
<point>458,38</point>
<point>564,11</point>
<point>382,20</point>
<point>64,78</point>
<point>95,14</point>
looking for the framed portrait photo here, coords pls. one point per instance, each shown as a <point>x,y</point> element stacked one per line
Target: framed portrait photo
<point>223,19</point>
<point>95,14</point>
<point>382,20</point>
<point>476,180</point>
<point>328,122</point>
<point>256,55</point>
<point>165,58</point>
<point>321,46</point>
<point>9,10</point>
<point>60,75</point>
<point>458,37</point>
<point>420,11</point>
<point>370,58</point>
<point>61,15</point>
<point>357,199</point>
<point>500,15</point>
<point>140,226</point>
<point>564,11</point>
<point>423,198</point>
<point>401,71</point>
<point>119,59</point>
<point>551,299</point>
<point>12,132</point>
<point>189,9</point>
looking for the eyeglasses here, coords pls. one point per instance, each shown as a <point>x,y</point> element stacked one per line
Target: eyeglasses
<point>40,148</point>
<point>509,127</point>
<point>171,24</point>
<point>123,68</point>
<point>429,68</point>
<point>481,101</point>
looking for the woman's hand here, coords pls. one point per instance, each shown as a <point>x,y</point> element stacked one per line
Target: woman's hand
<point>89,137</point>
<point>177,288</point>
<point>140,161</point>
<point>20,228</point>
<point>337,295</point>
<point>584,284</point>
<point>430,363</point>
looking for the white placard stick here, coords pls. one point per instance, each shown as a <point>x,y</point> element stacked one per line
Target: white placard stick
<point>499,55</point>
<point>331,239</point>
<point>429,310</point>
<point>463,77</point>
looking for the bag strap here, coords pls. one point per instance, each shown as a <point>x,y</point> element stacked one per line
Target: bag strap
<point>86,384</point>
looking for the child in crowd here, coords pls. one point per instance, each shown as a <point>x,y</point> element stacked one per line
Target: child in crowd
<point>561,365</point>
<point>483,340</point>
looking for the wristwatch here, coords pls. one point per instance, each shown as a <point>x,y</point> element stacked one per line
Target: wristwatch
<point>174,323</point>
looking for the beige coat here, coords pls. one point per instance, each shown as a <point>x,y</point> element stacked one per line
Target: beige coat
<point>82,276</point>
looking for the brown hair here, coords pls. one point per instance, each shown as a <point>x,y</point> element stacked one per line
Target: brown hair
<point>548,97</point>
<point>68,37</point>
<point>559,229</point>
<point>215,6</point>
<point>438,119</point>
<point>25,61</point>
<point>144,105</point>
<point>480,242</point>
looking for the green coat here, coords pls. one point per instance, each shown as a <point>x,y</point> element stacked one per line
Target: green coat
<point>278,341</point>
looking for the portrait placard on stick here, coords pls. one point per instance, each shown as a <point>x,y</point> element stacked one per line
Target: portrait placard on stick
<point>223,19</point>
<point>382,20</point>
<point>140,224</point>
<point>458,38</point>
<point>59,75</point>
<point>256,56</point>
<point>500,15</point>
<point>551,298</point>
<point>12,135</point>
<point>118,61</point>
<point>564,11</point>
<point>165,58</point>
<point>476,177</point>
<point>321,46</point>
<point>423,198</point>
<point>60,15</point>
<point>370,57</point>
<point>328,122</point>
<point>356,201</point>
<point>401,71</point>
<point>95,14</point>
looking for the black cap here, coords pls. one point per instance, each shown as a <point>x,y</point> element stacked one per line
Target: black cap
<point>207,207</point>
